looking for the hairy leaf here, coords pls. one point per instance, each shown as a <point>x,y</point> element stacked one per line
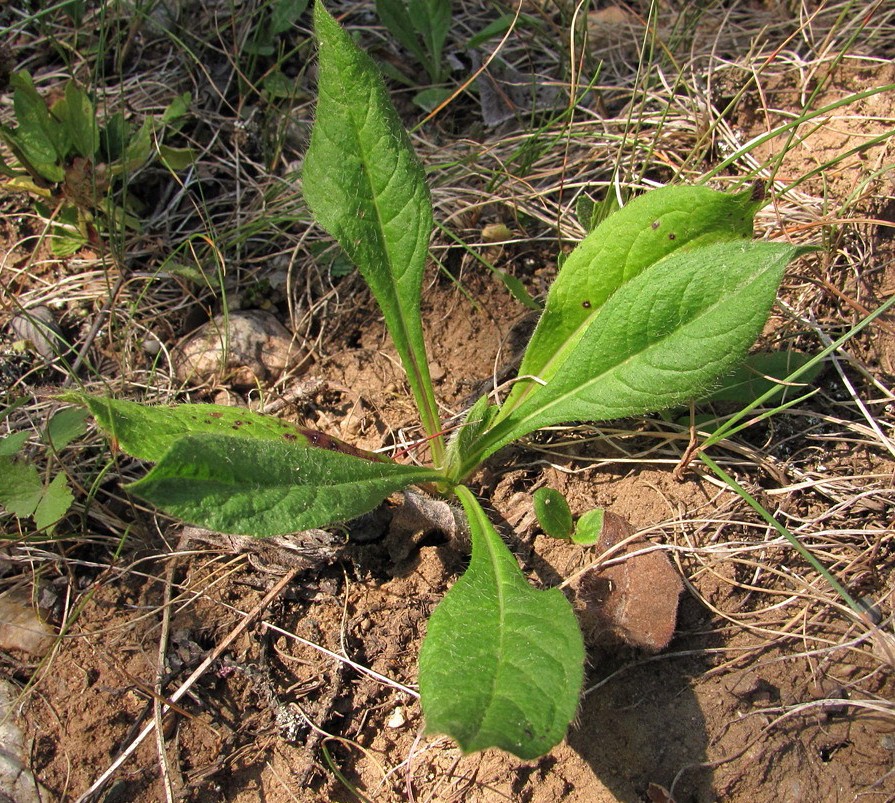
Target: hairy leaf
<point>39,141</point>
<point>20,487</point>
<point>148,431</point>
<point>478,419</point>
<point>65,426</point>
<point>644,231</point>
<point>553,512</point>
<point>502,663</point>
<point>76,112</point>
<point>663,338</point>
<point>762,372</point>
<point>265,487</point>
<point>23,493</point>
<point>54,503</point>
<point>367,188</point>
<point>589,527</point>
<point>395,16</point>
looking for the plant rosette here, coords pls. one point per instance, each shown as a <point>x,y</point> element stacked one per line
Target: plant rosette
<point>661,300</point>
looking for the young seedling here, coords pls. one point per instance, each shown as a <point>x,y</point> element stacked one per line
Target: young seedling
<point>70,163</point>
<point>23,491</point>
<point>555,517</point>
<point>421,27</point>
<point>662,299</point>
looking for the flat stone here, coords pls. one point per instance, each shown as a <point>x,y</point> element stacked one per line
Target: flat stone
<point>244,349</point>
<point>17,782</point>
<point>22,631</point>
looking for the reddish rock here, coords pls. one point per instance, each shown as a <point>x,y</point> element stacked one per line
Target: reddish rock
<point>633,602</point>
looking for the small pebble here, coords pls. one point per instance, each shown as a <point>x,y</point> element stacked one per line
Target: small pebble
<point>397,719</point>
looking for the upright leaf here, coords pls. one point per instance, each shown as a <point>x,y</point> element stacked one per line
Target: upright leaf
<point>395,16</point>
<point>77,113</point>
<point>644,231</point>
<point>663,338</point>
<point>367,188</point>
<point>268,487</point>
<point>39,141</point>
<point>502,663</point>
<point>433,21</point>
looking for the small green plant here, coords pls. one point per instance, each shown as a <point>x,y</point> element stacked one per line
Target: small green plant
<point>23,491</point>
<point>664,297</point>
<point>555,517</point>
<point>71,164</point>
<point>421,26</point>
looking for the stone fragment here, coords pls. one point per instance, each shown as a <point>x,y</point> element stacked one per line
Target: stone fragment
<point>632,602</point>
<point>37,329</point>
<point>242,349</point>
<point>22,632</point>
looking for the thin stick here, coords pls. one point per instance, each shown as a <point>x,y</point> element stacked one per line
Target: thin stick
<point>254,614</point>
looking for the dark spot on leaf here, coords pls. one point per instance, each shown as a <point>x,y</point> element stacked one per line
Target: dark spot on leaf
<point>585,304</point>
<point>655,225</point>
<point>672,236</point>
<point>216,415</point>
<point>206,420</point>
<point>237,424</point>
<point>290,436</point>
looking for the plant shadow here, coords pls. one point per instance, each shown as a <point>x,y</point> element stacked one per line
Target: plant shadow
<point>641,724</point>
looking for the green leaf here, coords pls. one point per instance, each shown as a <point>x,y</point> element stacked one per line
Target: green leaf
<point>663,338</point>
<point>268,487</point>
<point>553,513</point>
<point>285,14</point>
<point>138,150</point>
<point>77,113</point>
<point>761,372</point>
<point>11,444</point>
<point>591,213</point>
<point>65,426</point>
<point>176,158</point>
<point>588,527</point>
<point>177,108</point>
<point>367,188</point>
<point>149,431</point>
<point>502,663</point>
<point>644,231</point>
<point>20,487</point>
<point>395,16</point>
<point>478,419</point>
<point>114,136</point>
<point>41,139</point>
<point>432,19</point>
<point>494,29</point>
<point>55,502</point>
